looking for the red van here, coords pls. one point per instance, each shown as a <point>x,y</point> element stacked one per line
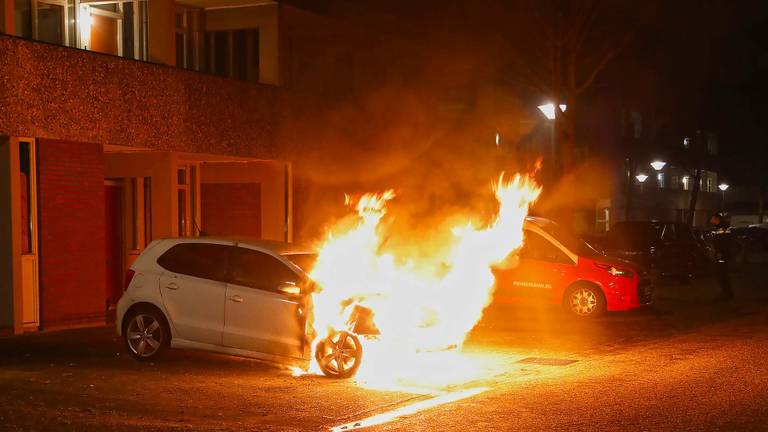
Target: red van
<point>556,267</point>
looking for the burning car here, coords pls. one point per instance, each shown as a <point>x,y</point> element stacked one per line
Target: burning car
<point>556,267</point>
<point>247,298</point>
<point>284,303</point>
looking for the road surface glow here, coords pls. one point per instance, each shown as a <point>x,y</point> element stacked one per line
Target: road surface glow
<point>389,416</point>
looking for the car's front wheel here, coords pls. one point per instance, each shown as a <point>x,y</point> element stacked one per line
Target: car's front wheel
<point>584,300</point>
<point>339,354</point>
<point>146,334</point>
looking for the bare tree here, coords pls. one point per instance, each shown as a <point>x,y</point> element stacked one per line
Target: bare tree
<point>559,50</point>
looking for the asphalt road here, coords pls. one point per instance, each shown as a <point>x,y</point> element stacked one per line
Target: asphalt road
<point>689,363</point>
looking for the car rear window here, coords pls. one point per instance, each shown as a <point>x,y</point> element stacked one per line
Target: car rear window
<point>203,260</point>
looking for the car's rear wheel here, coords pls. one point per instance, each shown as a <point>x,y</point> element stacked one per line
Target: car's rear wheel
<point>584,300</point>
<point>146,334</point>
<point>339,354</point>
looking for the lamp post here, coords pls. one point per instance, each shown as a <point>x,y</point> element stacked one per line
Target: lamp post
<point>723,187</point>
<point>658,165</point>
<point>550,112</point>
<point>641,178</point>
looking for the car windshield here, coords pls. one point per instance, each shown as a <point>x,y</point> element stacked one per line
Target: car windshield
<point>305,261</point>
<point>569,240</point>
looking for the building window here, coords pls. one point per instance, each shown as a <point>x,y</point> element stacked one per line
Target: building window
<point>22,17</point>
<point>603,219</point>
<point>181,38</point>
<point>233,54</point>
<point>114,27</point>
<point>188,191</point>
<point>712,144</point>
<point>674,181</point>
<point>686,182</point>
<point>187,47</point>
<point>28,196</point>
<point>660,179</point>
<point>51,21</point>
<point>710,185</point>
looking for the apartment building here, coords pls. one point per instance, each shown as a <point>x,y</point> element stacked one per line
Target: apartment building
<point>124,121</point>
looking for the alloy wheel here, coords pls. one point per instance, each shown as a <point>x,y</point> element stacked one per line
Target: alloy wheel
<point>339,355</point>
<point>583,301</point>
<point>144,335</point>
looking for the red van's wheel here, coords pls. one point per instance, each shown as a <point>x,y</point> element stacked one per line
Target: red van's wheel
<point>584,300</point>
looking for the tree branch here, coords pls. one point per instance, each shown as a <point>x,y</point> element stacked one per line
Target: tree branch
<point>602,64</point>
<point>582,31</point>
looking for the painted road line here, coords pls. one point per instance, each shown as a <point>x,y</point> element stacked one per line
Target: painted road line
<point>389,416</point>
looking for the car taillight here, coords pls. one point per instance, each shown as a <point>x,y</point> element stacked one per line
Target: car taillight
<point>128,278</point>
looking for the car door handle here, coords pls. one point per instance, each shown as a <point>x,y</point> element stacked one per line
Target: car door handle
<point>236,298</point>
<point>172,286</point>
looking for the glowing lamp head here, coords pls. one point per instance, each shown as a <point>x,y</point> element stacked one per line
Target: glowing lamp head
<point>548,110</point>
<point>641,178</point>
<point>722,186</point>
<point>658,165</point>
<point>563,107</point>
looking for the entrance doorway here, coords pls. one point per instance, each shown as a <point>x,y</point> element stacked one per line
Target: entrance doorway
<point>113,241</point>
<point>29,255</point>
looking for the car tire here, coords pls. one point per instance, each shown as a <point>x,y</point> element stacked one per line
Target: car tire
<point>146,334</point>
<point>339,355</point>
<point>584,300</point>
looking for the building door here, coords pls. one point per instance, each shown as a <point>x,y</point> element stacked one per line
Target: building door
<point>29,255</point>
<point>113,235</point>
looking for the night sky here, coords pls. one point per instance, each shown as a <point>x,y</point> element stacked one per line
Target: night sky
<point>707,60</point>
<point>713,60</point>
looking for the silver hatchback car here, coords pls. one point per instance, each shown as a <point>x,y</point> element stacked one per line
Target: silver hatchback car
<point>242,297</point>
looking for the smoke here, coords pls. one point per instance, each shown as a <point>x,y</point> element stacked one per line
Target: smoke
<point>415,108</point>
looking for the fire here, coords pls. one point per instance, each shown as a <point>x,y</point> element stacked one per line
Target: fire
<point>420,308</point>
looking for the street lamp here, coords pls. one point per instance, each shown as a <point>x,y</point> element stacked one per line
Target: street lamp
<point>550,112</point>
<point>723,187</point>
<point>658,165</point>
<point>641,178</point>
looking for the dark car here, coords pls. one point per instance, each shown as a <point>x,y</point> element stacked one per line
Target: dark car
<point>667,248</point>
<point>750,242</point>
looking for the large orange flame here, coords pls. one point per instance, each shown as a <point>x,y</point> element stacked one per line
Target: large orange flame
<point>418,307</point>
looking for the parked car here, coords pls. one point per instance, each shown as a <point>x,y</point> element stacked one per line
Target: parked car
<point>240,297</point>
<point>667,248</point>
<point>554,266</point>
<point>750,242</point>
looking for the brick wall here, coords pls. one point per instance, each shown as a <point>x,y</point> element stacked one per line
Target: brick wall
<point>231,209</point>
<point>64,93</point>
<point>71,228</point>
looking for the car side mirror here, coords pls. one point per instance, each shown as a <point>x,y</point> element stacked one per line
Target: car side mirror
<point>289,289</point>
